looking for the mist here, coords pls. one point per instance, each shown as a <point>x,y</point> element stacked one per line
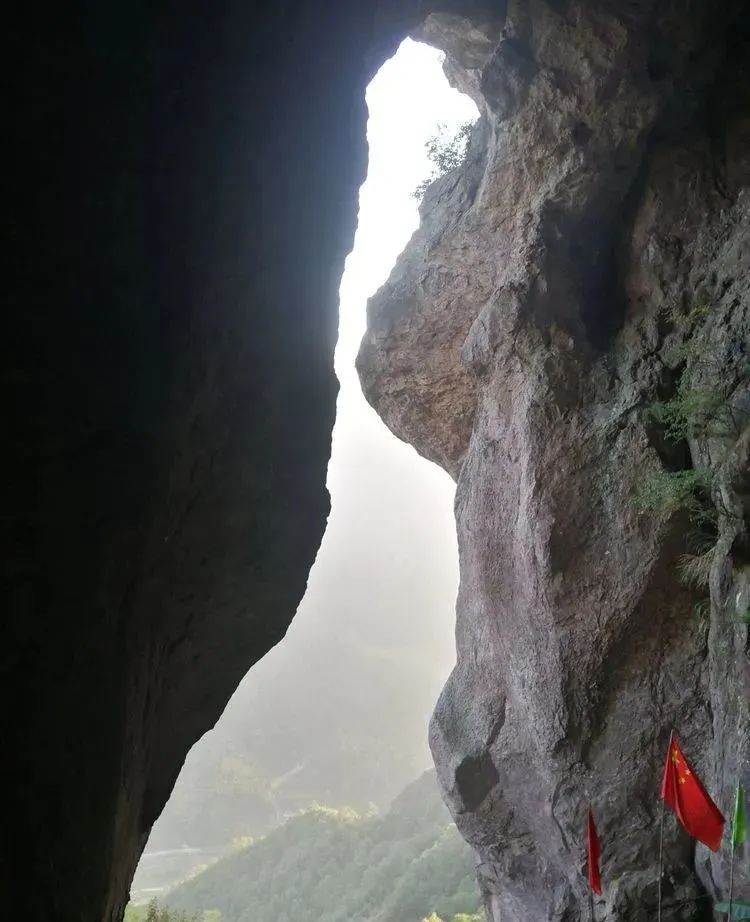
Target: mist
<point>337,713</point>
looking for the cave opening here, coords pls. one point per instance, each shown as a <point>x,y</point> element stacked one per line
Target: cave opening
<point>337,713</point>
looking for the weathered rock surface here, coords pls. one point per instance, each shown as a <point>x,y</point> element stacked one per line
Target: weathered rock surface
<point>547,299</point>
<point>182,194</point>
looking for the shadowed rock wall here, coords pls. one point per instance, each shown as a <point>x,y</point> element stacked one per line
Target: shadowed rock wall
<point>182,195</point>
<point>590,257</point>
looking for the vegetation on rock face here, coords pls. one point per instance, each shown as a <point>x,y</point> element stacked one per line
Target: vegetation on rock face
<point>328,865</point>
<point>695,569</point>
<point>445,152</point>
<point>701,405</point>
<point>699,413</point>
<point>670,491</point>
<point>692,411</point>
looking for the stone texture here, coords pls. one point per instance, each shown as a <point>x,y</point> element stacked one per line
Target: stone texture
<point>519,342</point>
<point>171,368</point>
<point>182,194</point>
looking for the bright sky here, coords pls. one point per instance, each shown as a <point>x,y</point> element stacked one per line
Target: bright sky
<point>407,100</point>
<point>391,531</point>
<point>384,583</point>
<point>387,571</point>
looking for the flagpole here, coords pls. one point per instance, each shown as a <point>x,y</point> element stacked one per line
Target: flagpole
<point>733,841</point>
<point>731,878</point>
<point>739,835</point>
<point>591,892</point>
<point>661,833</point>
<point>661,859</point>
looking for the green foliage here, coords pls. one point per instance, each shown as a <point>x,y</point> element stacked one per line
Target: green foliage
<point>327,865</point>
<point>153,912</point>
<point>699,410</point>
<point>239,775</point>
<point>694,317</point>
<point>688,324</point>
<point>306,739</point>
<point>666,492</point>
<point>742,617</point>
<point>445,153</point>
<point>696,412</point>
<point>240,842</point>
<point>698,313</point>
<point>691,412</point>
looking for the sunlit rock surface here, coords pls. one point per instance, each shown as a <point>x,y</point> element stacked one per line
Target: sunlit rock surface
<point>601,222</point>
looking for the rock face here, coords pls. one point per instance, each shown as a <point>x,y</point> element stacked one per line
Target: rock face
<point>182,194</point>
<point>589,258</point>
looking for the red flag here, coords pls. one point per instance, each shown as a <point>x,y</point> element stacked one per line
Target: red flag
<point>681,789</point>
<point>595,877</point>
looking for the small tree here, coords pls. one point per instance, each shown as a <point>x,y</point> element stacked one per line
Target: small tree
<point>155,913</point>
<point>445,152</point>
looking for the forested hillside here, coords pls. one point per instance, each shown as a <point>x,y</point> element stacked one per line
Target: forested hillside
<point>328,718</point>
<point>338,712</point>
<point>327,865</point>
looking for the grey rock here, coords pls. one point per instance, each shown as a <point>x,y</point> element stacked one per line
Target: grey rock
<point>182,194</point>
<point>519,342</point>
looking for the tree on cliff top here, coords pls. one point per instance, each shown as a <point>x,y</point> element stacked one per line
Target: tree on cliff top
<point>445,152</point>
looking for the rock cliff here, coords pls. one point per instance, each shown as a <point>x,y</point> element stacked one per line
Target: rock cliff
<point>183,181</point>
<point>182,194</point>
<point>568,334</point>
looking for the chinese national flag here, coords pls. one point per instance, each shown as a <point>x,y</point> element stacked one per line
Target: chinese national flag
<point>595,877</point>
<point>682,790</point>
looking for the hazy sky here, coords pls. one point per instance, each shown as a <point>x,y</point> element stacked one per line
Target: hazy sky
<point>391,532</point>
<point>373,640</point>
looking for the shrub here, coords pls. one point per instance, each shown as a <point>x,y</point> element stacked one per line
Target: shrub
<point>667,492</point>
<point>156,913</point>
<point>445,153</point>
<point>695,569</point>
<point>690,412</point>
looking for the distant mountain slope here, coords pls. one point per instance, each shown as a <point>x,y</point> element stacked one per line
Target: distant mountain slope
<point>328,718</point>
<point>329,865</point>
